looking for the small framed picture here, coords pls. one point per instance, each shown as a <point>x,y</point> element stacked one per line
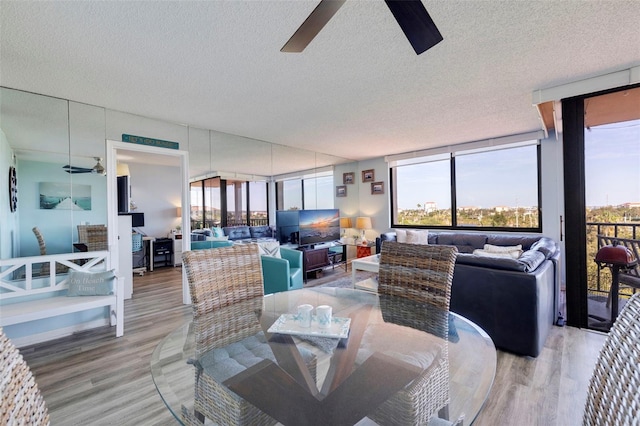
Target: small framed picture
<point>341,191</point>
<point>348,178</point>
<point>368,175</point>
<point>377,188</point>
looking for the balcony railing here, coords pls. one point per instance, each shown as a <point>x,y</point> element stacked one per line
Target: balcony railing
<point>599,280</point>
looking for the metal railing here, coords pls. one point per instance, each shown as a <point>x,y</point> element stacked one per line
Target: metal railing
<point>599,280</point>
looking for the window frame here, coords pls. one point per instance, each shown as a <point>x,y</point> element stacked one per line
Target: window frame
<point>393,181</point>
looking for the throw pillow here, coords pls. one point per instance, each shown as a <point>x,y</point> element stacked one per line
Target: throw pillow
<point>269,248</point>
<point>502,249</point>
<point>218,232</point>
<point>508,255</point>
<point>401,235</point>
<point>90,283</point>
<point>417,236</point>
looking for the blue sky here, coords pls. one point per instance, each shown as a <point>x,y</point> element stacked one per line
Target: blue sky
<point>488,179</point>
<point>612,164</point>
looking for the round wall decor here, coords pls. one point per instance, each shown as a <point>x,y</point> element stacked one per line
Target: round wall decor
<point>13,189</point>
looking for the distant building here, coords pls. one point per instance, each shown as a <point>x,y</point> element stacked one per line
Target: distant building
<point>468,208</point>
<point>430,206</point>
<point>630,205</point>
<point>500,209</point>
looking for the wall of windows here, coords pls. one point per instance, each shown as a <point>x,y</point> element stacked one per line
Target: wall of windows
<point>489,187</point>
<point>222,202</point>
<point>306,193</point>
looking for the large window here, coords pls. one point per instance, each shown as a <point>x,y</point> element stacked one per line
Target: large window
<point>497,188</point>
<point>220,202</point>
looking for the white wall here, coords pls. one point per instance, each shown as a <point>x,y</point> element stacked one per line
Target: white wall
<point>8,220</point>
<point>156,190</point>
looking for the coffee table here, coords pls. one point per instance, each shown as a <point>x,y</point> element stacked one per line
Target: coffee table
<point>344,391</point>
<point>369,263</point>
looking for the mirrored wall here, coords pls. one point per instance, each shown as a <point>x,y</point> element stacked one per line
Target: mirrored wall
<point>57,148</point>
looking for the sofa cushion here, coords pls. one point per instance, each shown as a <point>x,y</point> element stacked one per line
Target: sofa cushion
<point>237,232</point>
<point>401,235</point>
<point>512,240</point>
<point>527,262</point>
<point>260,231</point>
<point>217,232</point>
<point>466,243</point>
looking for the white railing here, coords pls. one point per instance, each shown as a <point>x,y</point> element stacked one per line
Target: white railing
<point>17,277</point>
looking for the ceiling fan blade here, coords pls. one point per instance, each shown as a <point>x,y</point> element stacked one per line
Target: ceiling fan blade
<point>312,25</point>
<point>73,169</point>
<point>416,23</point>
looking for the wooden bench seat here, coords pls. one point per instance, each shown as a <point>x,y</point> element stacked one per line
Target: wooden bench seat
<point>23,300</point>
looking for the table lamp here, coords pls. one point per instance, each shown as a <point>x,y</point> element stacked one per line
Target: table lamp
<point>363,223</point>
<point>345,223</point>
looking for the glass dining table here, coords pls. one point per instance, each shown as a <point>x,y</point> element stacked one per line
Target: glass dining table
<point>370,352</point>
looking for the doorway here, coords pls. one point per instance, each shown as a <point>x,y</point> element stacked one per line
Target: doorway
<point>169,156</point>
<point>602,195</point>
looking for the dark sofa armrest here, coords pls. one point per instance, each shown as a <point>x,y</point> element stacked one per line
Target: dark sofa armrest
<point>386,236</point>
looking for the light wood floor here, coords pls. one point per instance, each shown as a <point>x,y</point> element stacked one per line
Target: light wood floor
<point>93,378</point>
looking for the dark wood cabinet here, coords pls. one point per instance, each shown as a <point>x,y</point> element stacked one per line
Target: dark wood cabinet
<point>316,259</point>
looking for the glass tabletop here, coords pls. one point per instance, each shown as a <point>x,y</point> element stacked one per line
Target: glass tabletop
<point>397,328</point>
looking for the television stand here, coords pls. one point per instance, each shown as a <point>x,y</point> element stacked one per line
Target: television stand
<point>316,259</point>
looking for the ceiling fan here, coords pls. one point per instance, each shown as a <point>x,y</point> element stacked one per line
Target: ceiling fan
<point>97,169</point>
<point>412,16</point>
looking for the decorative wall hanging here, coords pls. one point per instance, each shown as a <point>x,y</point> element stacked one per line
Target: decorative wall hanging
<point>348,178</point>
<point>64,196</point>
<point>377,188</point>
<point>13,189</point>
<point>341,191</point>
<point>368,175</point>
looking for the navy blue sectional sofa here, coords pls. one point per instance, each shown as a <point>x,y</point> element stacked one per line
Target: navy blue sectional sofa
<point>514,300</point>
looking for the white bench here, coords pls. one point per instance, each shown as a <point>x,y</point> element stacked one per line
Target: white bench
<point>26,298</point>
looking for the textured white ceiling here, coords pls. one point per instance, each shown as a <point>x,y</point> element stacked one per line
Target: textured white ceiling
<point>358,90</point>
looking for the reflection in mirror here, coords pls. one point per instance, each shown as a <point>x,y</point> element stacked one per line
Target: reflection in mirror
<point>231,153</point>
<point>50,142</point>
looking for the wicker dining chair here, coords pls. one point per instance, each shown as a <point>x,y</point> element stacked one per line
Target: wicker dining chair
<point>227,291</point>
<point>21,402</point>
<point>44,270</point>
<point>420,274</point>
<point>613,397</point>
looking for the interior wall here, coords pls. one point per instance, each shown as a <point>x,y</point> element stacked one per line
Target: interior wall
<point>376,206</point>
<point>8,219</point>
<point>156,190</point>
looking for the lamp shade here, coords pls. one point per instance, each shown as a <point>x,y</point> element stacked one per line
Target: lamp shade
<point>345,222</point>
<point>179,211</point>
<point>363,223</point>
<point>122,169</point>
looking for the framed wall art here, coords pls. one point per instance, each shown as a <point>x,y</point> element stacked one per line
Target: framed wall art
<point>341,191</point>
<point>348,178</point>
<point>368,175</point>
<point>377,188</point>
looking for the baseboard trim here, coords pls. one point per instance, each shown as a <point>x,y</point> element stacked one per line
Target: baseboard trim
<point>58,333</point>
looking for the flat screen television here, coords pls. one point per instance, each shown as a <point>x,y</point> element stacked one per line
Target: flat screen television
<point>319,226</point>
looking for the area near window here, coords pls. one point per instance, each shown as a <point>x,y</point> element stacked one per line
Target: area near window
<point>495,187</point>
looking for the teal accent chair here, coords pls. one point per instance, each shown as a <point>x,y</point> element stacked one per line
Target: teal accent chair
<point>282,274</point>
